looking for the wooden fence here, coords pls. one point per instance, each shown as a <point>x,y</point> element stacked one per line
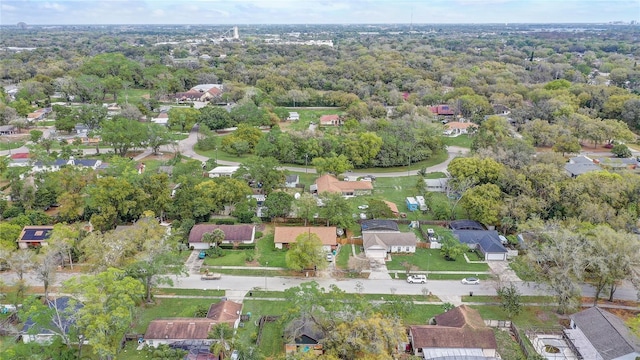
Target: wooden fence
<point>261,322</point>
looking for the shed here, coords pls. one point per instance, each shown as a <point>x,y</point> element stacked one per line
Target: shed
<point>412,203</point>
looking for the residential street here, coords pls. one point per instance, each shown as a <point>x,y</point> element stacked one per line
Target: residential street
<point>445,289</point>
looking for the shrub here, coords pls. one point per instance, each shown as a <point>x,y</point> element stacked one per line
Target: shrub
<point>225,222</point>
<point>258,234</point>
<point>249,256</point>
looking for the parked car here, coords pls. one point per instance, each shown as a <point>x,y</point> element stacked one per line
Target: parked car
<point>329,257</point>
<point>202,254</point>
<point>363,207</point>
<point>210,276</point>
<point>412,279</point>
<point>363,216</point>
<point>471,281</point>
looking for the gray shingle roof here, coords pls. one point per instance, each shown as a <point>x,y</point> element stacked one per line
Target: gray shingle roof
<point>387,239</point>
<point>487,240</point>
<point>607,333</point>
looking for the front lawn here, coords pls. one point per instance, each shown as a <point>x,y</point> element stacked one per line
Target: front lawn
<point>229,258</point>
<point>530,316</point>
<point>268,255</point>
<point>431,260</point>
<point>169,307</point>
<point>420,314</point>
<point>464,141</point>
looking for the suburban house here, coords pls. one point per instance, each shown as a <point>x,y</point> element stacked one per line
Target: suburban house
<point>38,115</point>
<point>580,165</point>
<point>330,120</point>
<point>460,333</point>
<point>378,244</point>
<point>223,171</point>
<point>487,242</point>
<point>293,116</point>
<point>303,335</point>
<point>40,166</point>
<point>286,235</point>
<point>81,129</point>
<point>442,110</point>
<point>436,185</point>
<point>161,119</point>
<point>8,130</point>
<point>203,92</point>
<point>381,237</point>
<point>456,128</point>
<point>34,236</point>
<point>65,308</point>
<point>614,164</point>
<point>329,183</point>
<point>598,334</point>
<point>233,234</point>
<point>168,331</point>
<point>291,181</point>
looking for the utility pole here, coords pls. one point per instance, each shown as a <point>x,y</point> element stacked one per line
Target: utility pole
<point>306,160</point>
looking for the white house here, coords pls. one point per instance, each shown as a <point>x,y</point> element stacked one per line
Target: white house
<point>293,116</point>
<point>223,171</point>
<point>378,244</point>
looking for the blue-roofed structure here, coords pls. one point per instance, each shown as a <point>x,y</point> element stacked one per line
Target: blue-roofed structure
<point>61,322</point>
<point>34,236</point>
<point>486,241</point>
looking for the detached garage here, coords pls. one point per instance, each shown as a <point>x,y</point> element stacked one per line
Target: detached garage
<point>487,242</point>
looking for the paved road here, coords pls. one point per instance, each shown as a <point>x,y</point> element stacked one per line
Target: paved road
<point>442,288</point>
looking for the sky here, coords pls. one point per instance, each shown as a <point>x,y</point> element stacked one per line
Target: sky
<point>239,12</point>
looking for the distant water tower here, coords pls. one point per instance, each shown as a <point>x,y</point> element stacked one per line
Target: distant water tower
<point>235,33</point>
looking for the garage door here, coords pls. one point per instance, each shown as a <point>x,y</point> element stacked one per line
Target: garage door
<point>495,256</point>
<point>376,254</point>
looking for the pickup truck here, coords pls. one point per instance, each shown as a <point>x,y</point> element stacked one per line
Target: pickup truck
<point>210,276</point>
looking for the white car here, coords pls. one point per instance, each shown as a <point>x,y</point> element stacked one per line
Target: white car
<point>363,207</point>
<point>412,279</point>
<point>329,257</point>
<point>471,281</point>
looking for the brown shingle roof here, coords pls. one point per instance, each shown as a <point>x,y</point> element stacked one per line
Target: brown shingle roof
<point>231,232</point>
<point>392,206</point>
<point>225,311</point>
<point>288,234</point>
<point>329,119</point>
<point>180,328</point>
<point>330,183</point>
<point>460,327</point>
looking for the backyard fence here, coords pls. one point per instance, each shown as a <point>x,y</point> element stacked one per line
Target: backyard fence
<point>263,320</point>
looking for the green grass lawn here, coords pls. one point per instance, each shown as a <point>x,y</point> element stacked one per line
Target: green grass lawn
<point>271,343</point>
<point>132,96</point>
<point>508,348</point>
<point>268,255</point>
<point>230,258</point>
<point>421,313</point>
<point>430,259</point>
<point>522,269</point>
<point>531,316</point>
<point>169,307</point>
<point>309,115</point>
<point>189,292</point>
<point>462,141</point>
<point>523,299</point>
<point>342,259</point>
<point>10,145</point>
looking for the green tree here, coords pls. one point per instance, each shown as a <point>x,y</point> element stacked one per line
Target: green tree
<point>156,262</point>
<point>214,117</point>
<point>158,135</point>
<point>371,337</point>
<point>621,151</point>
<point>306,207</point>
<point>452,249</point>
<point>123,134</point>
<point>306,253</point>
<point>332,165</point>
<point>214,238</point>
<point>182,119</point>
<point>278,204</point>
<point>482,203</point>
<point>112,200</point>
<point>336,210</point>
<point>223,334</point>
<point>378,209</point>
<point>109,300</point>
<point>8,235</point>
<point>510,300</point>
<point>567,144</point>
<point>263,172</point>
